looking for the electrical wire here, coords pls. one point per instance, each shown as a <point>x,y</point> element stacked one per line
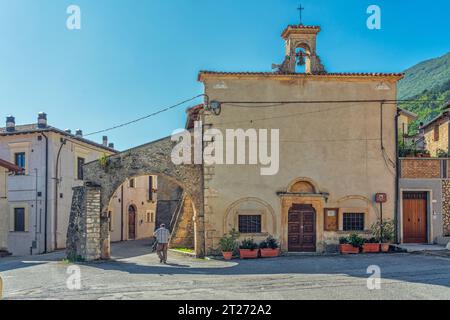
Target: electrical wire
<point>146,116</point>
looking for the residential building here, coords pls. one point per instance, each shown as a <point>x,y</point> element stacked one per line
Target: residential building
<point>132,209</point>
<point>436,134</point>
<point>39,197</point>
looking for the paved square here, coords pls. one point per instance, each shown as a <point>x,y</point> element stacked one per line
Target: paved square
<point>137,274</point>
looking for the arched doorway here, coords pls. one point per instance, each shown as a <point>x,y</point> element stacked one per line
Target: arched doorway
<point>103,178</point>
<point>132,222</point>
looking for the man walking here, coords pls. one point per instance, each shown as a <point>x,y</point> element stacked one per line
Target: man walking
<point>162,238</point>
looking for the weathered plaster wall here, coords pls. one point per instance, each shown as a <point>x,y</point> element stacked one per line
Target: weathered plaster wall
<point>336,145</point>
<point>136,196</point>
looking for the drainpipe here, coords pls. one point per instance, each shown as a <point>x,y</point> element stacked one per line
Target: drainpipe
<point>397,179</point>
<point>121,213</point>
<point>36,209</point>
<point>63,142</point>
<point>46,193</point>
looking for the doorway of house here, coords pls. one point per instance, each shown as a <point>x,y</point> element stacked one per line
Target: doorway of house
<point>415,217</point>
<point>302,228</point>
<point>131,222</point>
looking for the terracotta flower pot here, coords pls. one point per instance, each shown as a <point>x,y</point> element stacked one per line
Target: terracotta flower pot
<point>348,248</point>
<point>371,247</point>
<point>227,255</point>
<point>248,254</point>
<point>270,253</point>
<point>385,247</point>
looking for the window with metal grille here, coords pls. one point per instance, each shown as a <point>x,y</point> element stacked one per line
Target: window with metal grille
<point>353,222</point>
<point>249,223</point>
<point>19,219</point>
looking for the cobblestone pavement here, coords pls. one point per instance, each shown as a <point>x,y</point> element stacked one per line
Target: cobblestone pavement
<point>137,274</point>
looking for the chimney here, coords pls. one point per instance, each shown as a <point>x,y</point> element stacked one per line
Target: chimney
<point>68,131</point>
<point>111,145</point>
<point>42,120</point>
<point>10,124</point>
<point>105,141</point>
<point>79,133</point>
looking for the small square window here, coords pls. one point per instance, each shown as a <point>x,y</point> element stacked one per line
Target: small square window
<point>353,222</point>
<point>249,223</point>
<point>131,183</point>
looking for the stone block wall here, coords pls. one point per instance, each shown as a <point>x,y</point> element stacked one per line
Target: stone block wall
<point>183,233</point>
<point>76,232</point>
<point>420,168</point>
<point>83,235</point>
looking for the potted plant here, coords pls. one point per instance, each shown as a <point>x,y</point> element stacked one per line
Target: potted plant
<point>371,245</point>
<point>384,233</point>
<point>228,244</point>
<point>269,248</point>
<point>352,244</point>
<point>248,249</point>
<point>345,247</point>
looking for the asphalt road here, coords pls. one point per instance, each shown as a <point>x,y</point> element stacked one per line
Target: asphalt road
<point>136,274</point>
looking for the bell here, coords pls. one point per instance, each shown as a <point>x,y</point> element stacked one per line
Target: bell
<point>301,59</point>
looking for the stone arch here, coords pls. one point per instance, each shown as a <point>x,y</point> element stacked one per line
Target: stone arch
<point>246,205</point>
<point>354,198</point>
<point>104,177</point>
<point>359,201</point>
<point>303,185</point>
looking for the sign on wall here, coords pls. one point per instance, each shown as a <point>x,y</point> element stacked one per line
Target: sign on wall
<point>331,219</point>
<point>380,197</point>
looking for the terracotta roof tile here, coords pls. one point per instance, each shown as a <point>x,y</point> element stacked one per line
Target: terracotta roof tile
<point>331,74</point>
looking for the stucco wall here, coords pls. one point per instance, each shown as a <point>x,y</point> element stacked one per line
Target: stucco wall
<point>334,145</point>
<point>145,209</point>
<point>28,190</point>
<point>4,211</point>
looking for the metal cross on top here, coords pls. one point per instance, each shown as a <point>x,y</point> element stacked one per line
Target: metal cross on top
<point>300,9</point>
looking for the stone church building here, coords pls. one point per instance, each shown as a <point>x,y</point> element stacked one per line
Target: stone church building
<point>337,149</point>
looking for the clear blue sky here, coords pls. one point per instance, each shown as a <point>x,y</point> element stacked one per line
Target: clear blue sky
<point>133,57</point>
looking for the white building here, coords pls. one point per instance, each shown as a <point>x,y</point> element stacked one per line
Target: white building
<point>39,199</point>
<point>132,209</point>
<point>35,206</point>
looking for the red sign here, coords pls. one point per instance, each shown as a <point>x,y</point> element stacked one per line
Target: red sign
<point>380,197</point>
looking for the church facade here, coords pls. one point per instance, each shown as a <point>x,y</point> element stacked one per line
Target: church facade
<point>337,149</point>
